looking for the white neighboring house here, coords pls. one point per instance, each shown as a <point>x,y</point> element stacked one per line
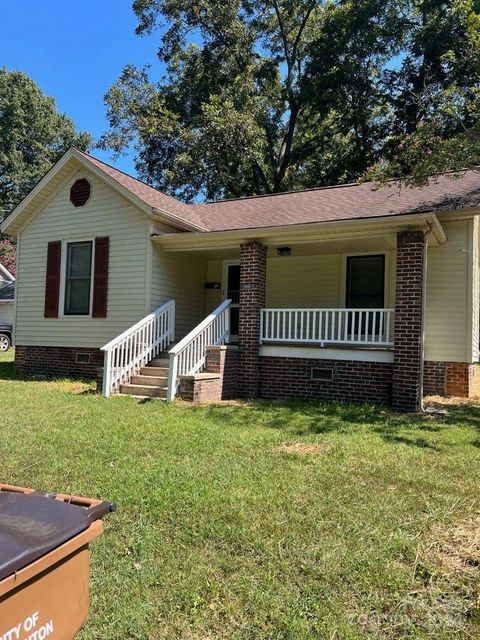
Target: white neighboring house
<point>7,292</point>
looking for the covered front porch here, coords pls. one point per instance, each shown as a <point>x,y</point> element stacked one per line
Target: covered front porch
<point>334,313</point>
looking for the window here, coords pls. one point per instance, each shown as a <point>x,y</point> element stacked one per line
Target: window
<point>365,282</point>
<point>323,375</point>
<point>78,277</point>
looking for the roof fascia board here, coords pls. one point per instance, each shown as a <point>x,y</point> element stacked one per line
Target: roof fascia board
<point>177,221</point>
<point>12,224</point>
<point>304,232</point>
<point>8,225</point>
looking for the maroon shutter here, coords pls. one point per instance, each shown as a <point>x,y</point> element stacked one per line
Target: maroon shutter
<point>100,278</point>
<point>52,282</point>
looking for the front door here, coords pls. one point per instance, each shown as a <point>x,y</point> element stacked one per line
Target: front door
<point>365,288</point>
<point>231,290</point>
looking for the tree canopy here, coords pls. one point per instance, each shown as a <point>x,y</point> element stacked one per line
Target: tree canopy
<point>261,96</point>
<point>33,136</point>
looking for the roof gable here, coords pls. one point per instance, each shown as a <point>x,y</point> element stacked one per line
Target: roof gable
<point>145,198</point>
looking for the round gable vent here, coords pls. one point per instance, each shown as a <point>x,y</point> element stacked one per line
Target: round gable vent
<point>80,192</point>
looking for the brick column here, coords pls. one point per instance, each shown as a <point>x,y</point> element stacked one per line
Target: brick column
<point>253,263</point>
<point>408,352</point>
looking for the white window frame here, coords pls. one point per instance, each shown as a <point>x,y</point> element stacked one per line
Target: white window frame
<point>63,278</point>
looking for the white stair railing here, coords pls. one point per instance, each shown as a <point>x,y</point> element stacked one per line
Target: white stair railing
<point>356,327</point>
<point>188,356</point>
<point>135,347</point>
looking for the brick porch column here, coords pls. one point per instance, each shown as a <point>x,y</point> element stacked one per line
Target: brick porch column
<point>253,263</point>
<point>408,350</point>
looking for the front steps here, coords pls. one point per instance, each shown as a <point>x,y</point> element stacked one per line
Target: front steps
<point>152,381</point>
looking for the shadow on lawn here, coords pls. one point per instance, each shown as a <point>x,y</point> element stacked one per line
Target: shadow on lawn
<point>302,418</point>
<point>8,372</point>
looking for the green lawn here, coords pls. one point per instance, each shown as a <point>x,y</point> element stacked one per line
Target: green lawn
<point>260,521</point>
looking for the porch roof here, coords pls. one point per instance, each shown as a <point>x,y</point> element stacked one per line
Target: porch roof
<point>307,233</point>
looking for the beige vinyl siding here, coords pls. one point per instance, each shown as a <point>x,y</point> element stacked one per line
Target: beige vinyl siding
<point>106,214</point>
<point>179,277</point>
<point>447,325</point>
<point>213,297</point>
<point>316,280</point>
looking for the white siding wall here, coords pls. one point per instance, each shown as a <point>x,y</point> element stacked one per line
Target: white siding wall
<point>447,326</point>
<point>106,214</point>
<point>179,277</point>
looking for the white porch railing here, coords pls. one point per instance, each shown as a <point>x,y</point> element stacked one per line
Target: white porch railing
<point>188,356</point>
<point>356,327</point>
<point>135,347</point>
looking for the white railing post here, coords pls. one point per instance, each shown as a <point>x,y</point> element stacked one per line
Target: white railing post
<point>107,374</point>
<point>126,354</point>
<point>172,377</point>
<point>351,327</point>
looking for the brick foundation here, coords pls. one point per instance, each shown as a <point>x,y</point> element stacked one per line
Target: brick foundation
<point>57,361</point>
<point>408,351</point>
<point>218,382</point>
<point>457,379</point>
<point>253,266</point>
<point>353,381</point>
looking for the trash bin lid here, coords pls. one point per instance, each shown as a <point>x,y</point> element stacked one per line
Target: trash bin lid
<point>32,525</point>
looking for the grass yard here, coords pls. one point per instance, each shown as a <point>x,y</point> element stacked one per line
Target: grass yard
<point>261,521</point>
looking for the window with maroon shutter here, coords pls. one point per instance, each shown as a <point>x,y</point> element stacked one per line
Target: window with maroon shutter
<point>100,278</point>
<point>52,282</point>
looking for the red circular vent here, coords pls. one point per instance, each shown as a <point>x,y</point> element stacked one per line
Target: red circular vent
<point>80,192</point>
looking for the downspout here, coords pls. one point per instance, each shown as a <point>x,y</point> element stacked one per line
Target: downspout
<point>424,306</point>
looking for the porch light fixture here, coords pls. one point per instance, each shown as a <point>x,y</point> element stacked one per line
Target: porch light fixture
<point>284,251</point>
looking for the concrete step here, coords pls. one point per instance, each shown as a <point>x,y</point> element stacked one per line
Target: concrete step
<point>143,390</point>
<point>151,381</point>
<point>161,372</point>
<point>159,362</point>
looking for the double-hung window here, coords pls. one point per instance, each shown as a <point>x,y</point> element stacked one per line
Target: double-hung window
<point>78,278</point>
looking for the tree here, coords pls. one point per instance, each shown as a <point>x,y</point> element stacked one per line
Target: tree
<point>225,119</point>
<point>435,94</point>
<point>8,255</point>
<point>33,136</point>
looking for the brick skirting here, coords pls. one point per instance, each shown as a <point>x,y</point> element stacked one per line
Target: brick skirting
<point>58,361</point>
<point>352,381</point>
<point>218,382</point>
<point>457,379</point>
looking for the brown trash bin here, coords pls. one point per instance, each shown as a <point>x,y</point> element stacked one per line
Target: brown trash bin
<point>44,562</point>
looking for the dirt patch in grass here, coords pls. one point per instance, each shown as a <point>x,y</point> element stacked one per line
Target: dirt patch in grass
<point>440,402</point>
<point>300,448</point>
<point>458,547</point>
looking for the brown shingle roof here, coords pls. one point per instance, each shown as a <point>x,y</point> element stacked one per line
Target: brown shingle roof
<point>342,203</point>
<point>152,197</point>
<point>327,204</point>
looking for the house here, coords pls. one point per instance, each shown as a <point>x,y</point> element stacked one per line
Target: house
<point>7,293</point>
<point>343,293</point>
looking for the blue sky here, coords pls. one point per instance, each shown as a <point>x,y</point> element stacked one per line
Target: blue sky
<point>75,52</point>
